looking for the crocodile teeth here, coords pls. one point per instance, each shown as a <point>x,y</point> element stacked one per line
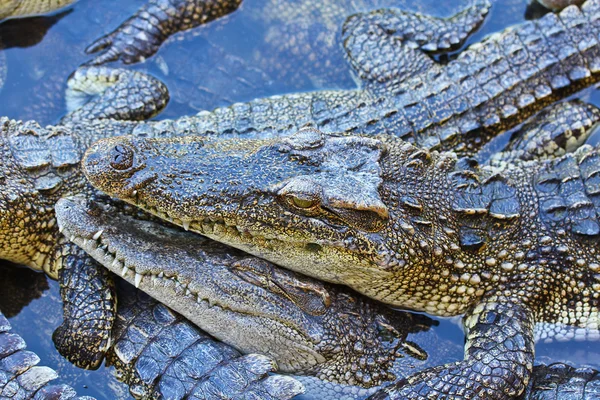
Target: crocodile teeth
<point>98,234</point>
<point>60,229</point>
<point>186,225</point>
<point>124,271</point>
<point>161,274</point>
<point>138,280</point>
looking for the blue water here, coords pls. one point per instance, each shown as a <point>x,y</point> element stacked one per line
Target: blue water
<point>211,66</point>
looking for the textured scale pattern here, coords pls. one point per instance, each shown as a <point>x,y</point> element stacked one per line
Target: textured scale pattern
<point>20,375</point>
<point>492,86</point>
<point>423,230</point>
<point>159,352</point>
<point>449,110</point>
<point>243,292</point>
<point>555,131</point>
<point>141,35</point>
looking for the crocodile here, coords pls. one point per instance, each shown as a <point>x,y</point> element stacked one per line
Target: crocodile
<point>140,248</point>
<point>209,362</point>
<point>245,301</point>
<point>507,247</point>
<point>488,88</point>
<point>201,70</point>
<point>41,165</point>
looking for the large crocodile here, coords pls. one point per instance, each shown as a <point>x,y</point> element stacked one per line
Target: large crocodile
<point>41,166</point>
<point>508,247</point>
<point>254,299</point>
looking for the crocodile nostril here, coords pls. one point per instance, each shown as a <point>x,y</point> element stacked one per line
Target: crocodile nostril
<point>121,157</point>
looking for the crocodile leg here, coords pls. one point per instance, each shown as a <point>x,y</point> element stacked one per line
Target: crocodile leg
<point>498,358</point>
<point>89,308</point>
<point>101,93</point>
<point>406,37</point>
<point>141,35</point>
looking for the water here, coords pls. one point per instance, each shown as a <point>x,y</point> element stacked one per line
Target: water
<point>227,61</point>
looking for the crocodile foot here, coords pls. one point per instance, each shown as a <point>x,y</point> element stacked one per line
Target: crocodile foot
<point>141,35</point>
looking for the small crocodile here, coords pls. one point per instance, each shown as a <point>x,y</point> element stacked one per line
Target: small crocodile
<point>208,362</point>
<point>490,87</point>
<point>507,247</point>
<point>184,281</point>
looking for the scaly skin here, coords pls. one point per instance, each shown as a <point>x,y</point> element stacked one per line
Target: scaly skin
<point>491,87</point>
<point>131,351</point>
<point>40,169</point>
<point>35,186</point>
<point>28,8</point>
<point>141,35</point>
<point>180,278</point>
<point>245,301</point>
<point>171,358</point>
<point>39,166</point>
<point>21,377</point>
<point>507,247</point>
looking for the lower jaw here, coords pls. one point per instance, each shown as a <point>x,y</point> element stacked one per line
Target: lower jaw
<point>225,324</point>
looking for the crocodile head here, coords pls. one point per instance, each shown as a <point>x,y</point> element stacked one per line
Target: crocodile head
<point>35,163</point>
<point>305,325</point>
<point>306,200</point>
<point>358,211</point>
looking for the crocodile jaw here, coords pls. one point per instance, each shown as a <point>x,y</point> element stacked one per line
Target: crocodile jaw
<point>208,294</point>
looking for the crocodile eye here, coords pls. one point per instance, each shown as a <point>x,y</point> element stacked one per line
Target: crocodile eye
<point>121,157</point>
<point>304,203</point>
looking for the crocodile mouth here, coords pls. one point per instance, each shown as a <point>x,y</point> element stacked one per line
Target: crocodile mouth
<point>265,242</point>
<point>208,312</point>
